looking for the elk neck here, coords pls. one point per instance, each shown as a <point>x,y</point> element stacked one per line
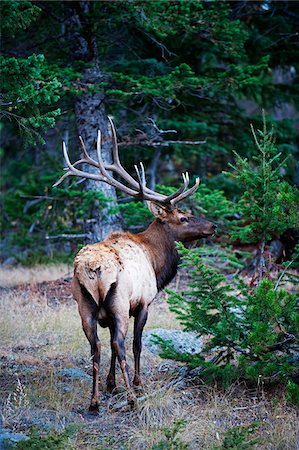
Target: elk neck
<point>159,243</point>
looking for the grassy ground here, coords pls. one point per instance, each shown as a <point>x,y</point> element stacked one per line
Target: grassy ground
<point>41,344</point>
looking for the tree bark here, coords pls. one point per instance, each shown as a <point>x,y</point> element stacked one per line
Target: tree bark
<point>90,116</point>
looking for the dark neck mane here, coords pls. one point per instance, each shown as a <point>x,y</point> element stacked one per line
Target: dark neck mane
<point>160,245</point>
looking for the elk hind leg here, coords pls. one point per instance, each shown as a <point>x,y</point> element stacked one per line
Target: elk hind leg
<point>120,321</point>
<point>120,331</point>
<point>110,383</point>
<point>88,312</point>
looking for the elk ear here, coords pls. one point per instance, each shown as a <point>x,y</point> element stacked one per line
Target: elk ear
<point>157,210</point>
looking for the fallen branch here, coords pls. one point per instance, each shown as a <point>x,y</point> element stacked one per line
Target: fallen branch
<point>160,143</point>
<point>282,274</point>
<point>67,236</point>
<point>246,407</point>
<point>41,197</point>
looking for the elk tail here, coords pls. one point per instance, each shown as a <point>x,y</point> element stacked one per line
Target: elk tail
<point>110,294</point>
<point>79,291</point>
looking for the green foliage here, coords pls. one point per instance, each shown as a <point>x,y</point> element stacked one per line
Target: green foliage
<point>26,88</point>
<point>182,79</point>
<point>224,257</point>
<point>17,15</point>
<point>185,70</point>
<point>135,215</point>
<point>54,440</point>
<point>214,204</point>
<point>31,213</point>
<point>172,441</point>
<point>239,438</point>
<point>292,393</point>
<point>195,63</point>
<point>31,87</point>
<point>268,205</point>
<point>252,332</point>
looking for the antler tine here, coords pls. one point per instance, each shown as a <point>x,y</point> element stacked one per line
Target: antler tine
<point>108,178</point>
<point>141,178</point>
<point>80,173</point>
<point>99,153</point>
<point>182,189</point>
<point>104,174</point>
<point>115,153</point>
<point>61,179</point>
<point>186,178</point>
<point>142,174</point>
<point>87,158</point>
<point>187,193</point>
<point>117,166</point>
<point>72,171</point>
<point>147,193</point>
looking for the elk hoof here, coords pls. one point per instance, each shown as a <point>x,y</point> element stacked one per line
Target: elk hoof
<point>138,390</point>
<point>110,387</point>
<point>93,408</point>
<point>136,381</point>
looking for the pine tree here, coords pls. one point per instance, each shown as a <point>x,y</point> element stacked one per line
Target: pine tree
<point>251,333</point>
<point>268,204</point>
<point>28,83</point>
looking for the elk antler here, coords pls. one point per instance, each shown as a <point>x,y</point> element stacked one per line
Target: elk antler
<point>136,189</point>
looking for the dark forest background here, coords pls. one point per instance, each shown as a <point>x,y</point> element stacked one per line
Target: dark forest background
<point>183,81</point>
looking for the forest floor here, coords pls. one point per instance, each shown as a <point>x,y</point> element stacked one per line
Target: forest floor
<point>45,383</point>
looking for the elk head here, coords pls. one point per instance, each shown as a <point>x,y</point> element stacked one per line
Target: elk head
<point>183,226</point>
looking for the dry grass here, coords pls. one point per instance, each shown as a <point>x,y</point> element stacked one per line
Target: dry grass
<point>160,316</point>
<point>208,414</point>
<point>281,428</point>
<point>14,406</point>
<point>14,276</point>
<point>35,325</point>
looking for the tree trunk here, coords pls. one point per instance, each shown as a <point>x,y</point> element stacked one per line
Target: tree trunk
<point>153,167</point>
<point>91,116</point>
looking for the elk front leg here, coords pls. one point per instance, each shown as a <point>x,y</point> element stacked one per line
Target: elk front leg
<point>140,321</point>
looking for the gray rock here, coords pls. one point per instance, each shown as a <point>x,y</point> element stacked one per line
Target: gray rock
<point>8,437</point>
<point>183,341</point>
<point>74,373</point>
<point>44,419</point>
<point>10,261</point>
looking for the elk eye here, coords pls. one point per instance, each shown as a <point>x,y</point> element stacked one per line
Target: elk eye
<point>184,219</point>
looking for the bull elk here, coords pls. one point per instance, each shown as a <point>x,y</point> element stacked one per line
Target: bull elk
<point>120,277</point>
